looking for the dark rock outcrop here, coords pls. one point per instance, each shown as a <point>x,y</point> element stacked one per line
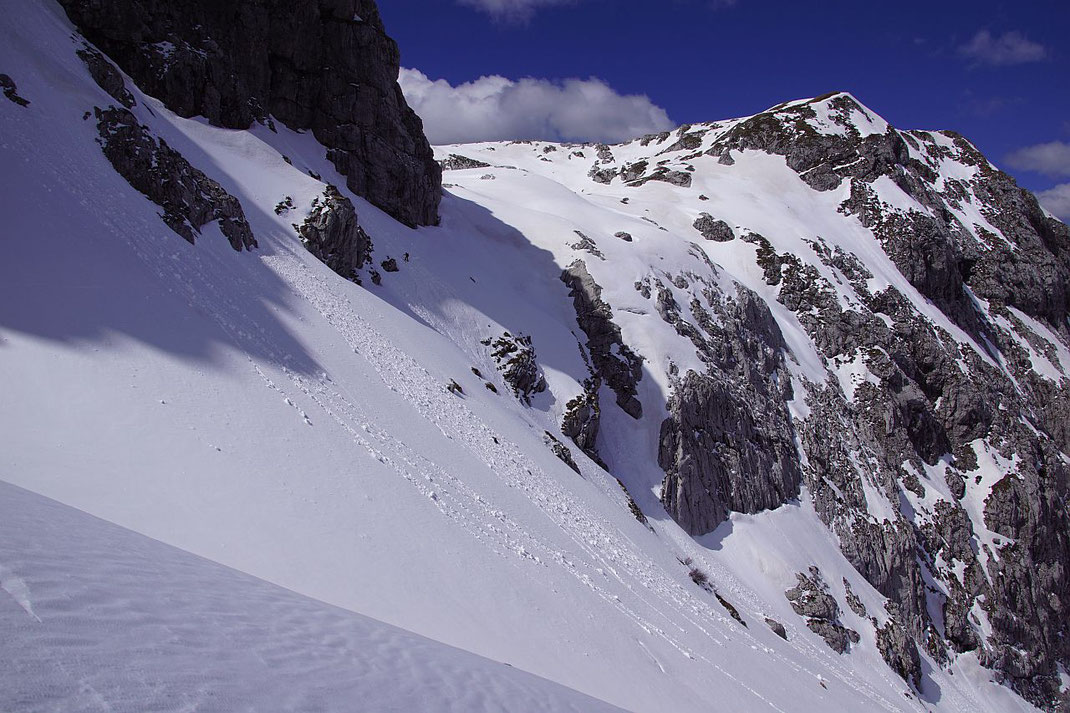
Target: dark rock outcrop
<point>811,600</point>
<point>323,65</point>
<point>777,628</point>
<point>602,175</point>
<point>333,234</point>
<point>935,402</point>
<point>713,229</point>
<point>515,357</point>
<point>728,443</point>
<point>582,419</point>
<point>612,359</point>
<point>189,199</point>
<point>456,162</point>
<point>11,91</point>
<point>899,652</point>
<point>560,450</point>
<point>106,76</point>
<point>587,245</point>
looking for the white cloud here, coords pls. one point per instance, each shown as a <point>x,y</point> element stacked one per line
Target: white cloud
<point>1051,159</point>
<point>520,10</point>
<point>511,9</point>
<point>495,108</point>
<point>1006,49</point>
<point>1057,200</point>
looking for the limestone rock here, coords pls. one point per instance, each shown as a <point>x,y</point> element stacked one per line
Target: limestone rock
<point>7,84</point>
<point>612,360</point>
<point>322,65</point>
<point>810,599</point>
<point>333,234</point>
<point>106,76</point>
<point>456,162</point>
<point>189,199</point>
<point>515,357</point>
<point>713,229</point>
<point>900,652</point>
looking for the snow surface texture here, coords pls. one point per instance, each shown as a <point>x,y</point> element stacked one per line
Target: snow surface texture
<point>260,412</point>
<point>114,621</point>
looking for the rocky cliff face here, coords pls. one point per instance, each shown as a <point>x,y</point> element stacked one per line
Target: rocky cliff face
<point>901,359</point>
<point>939,419</point>
<point>728,444</point>
<point>323,65</point>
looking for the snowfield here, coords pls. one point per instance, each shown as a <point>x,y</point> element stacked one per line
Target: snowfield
<point>100,618</point>
<point>236,481</point>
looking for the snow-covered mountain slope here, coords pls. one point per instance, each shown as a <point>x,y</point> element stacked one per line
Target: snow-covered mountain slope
<point>363,445</point>
<point>99,618</point>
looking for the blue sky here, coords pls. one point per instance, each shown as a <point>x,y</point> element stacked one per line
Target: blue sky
<point>998,72</point>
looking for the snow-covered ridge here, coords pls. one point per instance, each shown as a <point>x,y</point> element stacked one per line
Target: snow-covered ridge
<point>362,445</point>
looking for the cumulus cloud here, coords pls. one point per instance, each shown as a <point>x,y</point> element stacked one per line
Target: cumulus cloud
<point>520,10</point>
<point>1006,49</point>
<point>1057,200</point>
<point>1050,159</point>
<point>495,108</point>
<point>511,9</point>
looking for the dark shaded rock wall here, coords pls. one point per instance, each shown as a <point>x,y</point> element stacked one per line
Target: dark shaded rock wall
<point>323,65</point>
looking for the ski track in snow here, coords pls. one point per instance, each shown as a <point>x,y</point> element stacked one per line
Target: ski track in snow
<point>134,625</point>
<point>604,546</point>
<point>18,590</point>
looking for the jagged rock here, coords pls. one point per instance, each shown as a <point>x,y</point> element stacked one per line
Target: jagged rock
<point>633,171</point>
<point>777,628</point>
<point>626,237</point>
<point>333,234</point>
<point>605,154</point>
<point>687,142</point>
<point>713,229</point>
<point>900,652</point>
<point>106,76</point>
<point>285,205</point>
<point>633,507</point>
<point>456,162</point>
<point>728,443</point>
<point>602,175</point>
<point>11,91</point>
<point>582,419</point>
<point>611,358</point>
<point>655,138</point>
<point>189,199</point>
<point>853,601</point>
<point>835,635</point>
<point>560,450</point>
<point>515,357</point>
<point>810,599</point>
<point>730,608</point>
<point>324,65</point>
<point>587,245</point>
<point>719,458</point>
<point>662,173</point>
<point>389,265</point>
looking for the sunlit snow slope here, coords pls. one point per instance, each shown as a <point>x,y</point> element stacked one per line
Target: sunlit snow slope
<point>96,617</point>
<point>258,411</point>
